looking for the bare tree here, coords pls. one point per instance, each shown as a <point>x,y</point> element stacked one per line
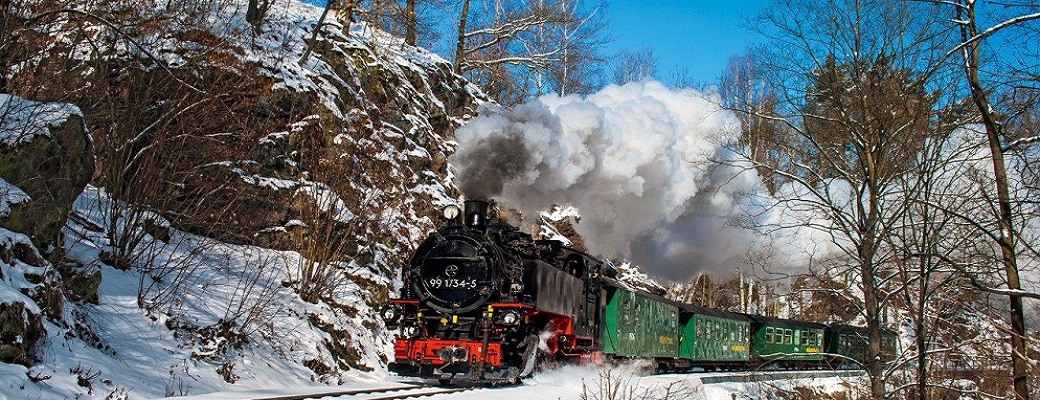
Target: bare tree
<point>420,22</point>
<point>460,40</point>
<point>743,91</point>
<point>856,110</point>
<point>580,39</point>
<point>518,48</point>
<point>973,37</point>
<point>634,65</point>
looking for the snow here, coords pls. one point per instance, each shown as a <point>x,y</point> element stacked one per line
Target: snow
<point>189,283</point>
<point>557,214</point>
<point>591,381</point>
<point>10,195</point>
<point>147,336</point>
<point>23,120</point>
<point>12,276</point>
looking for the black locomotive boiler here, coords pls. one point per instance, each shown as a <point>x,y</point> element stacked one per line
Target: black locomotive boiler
<point>483,302</point>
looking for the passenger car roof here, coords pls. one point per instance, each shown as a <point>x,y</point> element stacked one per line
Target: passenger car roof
<point>690,308</point>
<point>790,323</point>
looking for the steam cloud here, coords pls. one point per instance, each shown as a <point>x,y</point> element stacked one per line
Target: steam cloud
<point>637,160</point>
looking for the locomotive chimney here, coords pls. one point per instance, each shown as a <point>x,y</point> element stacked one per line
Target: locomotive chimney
<point>476,213</point>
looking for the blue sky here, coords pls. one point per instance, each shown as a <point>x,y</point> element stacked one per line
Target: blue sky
<point>699,35</point>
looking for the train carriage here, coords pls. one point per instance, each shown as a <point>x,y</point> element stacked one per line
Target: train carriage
<point>713,338</point>
<point>783,342</point>
<point>639,324</point>
<point>846,345</point>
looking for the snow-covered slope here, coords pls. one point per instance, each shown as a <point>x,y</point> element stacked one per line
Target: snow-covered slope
<point>263,202</point>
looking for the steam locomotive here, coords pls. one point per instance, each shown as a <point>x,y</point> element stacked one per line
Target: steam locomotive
<point>484,302</point>
<point>481,300</point>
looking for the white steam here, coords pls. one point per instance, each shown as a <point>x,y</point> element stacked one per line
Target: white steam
<point>640,161</point>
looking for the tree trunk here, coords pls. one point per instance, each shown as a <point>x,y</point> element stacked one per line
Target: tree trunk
<point>1019,363</point>
<point>410,35</point>
<point>461,43</point>
<point>314,33</point>
<point>347,14</point>
<point>919,333</point>
<point>870,309</point>
<point>253,15</point>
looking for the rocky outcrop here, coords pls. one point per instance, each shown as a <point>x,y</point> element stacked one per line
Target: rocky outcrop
<point>231,135</point>
<point>45,162</point>
<point>46,152</point>
<point>20,329</point>
<point>29,290</point>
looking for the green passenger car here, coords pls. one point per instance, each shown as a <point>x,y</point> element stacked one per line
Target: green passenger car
<point>782,341</point>
<point>639,325</point>
<point>847,345</point>
<point>713,335</point>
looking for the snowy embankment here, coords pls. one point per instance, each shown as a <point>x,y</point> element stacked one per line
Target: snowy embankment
<point>118,348</point>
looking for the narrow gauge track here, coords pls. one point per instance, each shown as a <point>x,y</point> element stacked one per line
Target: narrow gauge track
<point>393,393</point>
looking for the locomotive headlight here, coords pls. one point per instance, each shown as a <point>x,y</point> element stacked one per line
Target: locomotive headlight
<point>510,318</point>
<point>390,314</point>
<point>451,212</point>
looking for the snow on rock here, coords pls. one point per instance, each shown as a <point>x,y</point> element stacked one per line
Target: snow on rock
<point>23,120</point>
<point>9,195</point>
<point>633,277</point>
<point>46,157</point>
<point>549,231</point>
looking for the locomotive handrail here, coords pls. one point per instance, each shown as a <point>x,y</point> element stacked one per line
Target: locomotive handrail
<point>474,259</point>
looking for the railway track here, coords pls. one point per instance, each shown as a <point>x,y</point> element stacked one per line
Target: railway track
<point>392,393</point>
<point>756,376</point>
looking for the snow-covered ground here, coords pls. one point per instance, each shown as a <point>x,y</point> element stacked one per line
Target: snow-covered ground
<point>587,382</point>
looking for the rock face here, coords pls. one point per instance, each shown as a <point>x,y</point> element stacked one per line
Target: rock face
<point>29,289</point>
<point>46,152</point>
<point>46,160</point>
<point>339,157</point>
<point>20,329</point>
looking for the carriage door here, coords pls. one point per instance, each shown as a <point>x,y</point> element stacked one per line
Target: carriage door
<point>591,308</point>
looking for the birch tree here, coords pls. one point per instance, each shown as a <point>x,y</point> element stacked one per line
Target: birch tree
<point>742,90</point>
